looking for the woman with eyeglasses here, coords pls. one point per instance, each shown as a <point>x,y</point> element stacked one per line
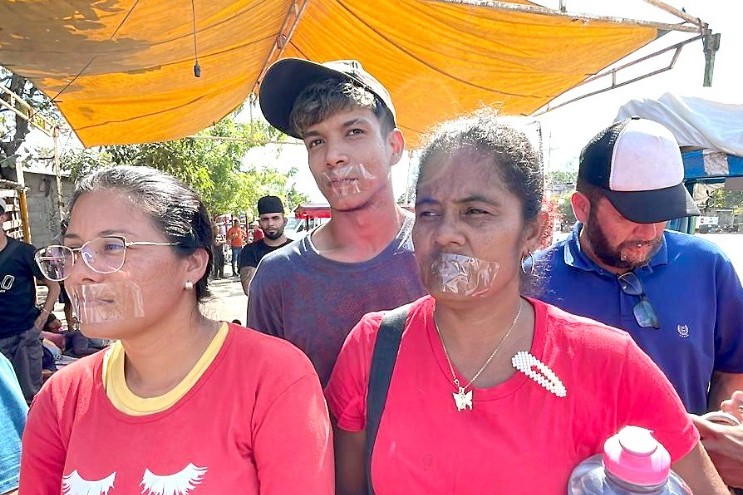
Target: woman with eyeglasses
<point>491,392</point>
<point>179,403</point>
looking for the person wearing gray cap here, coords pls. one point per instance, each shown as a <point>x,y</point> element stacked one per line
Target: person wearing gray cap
<point>314,291</point>
<point>272,222</point>
<point>676,294</point>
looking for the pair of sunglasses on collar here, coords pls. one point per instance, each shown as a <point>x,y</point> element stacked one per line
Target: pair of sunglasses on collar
<point>643,311</point>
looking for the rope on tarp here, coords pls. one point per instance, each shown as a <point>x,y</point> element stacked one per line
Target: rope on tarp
<point>196,66</point>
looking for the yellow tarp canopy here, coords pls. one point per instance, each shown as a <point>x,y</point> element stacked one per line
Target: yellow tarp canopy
<point>121,71</point>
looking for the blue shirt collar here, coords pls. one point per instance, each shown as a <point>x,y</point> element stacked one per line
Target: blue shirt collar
<point>575,257</point>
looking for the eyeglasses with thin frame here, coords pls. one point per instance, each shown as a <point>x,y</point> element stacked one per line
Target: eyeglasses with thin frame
<point>643,311</point>
<point>105,254</point>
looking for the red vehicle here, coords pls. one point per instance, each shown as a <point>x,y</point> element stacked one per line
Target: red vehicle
<point>307,216</point>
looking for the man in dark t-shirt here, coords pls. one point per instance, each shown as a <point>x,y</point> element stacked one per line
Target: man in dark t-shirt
<point>272,222</point>
<point>315,290</point>
<point>20,320</point>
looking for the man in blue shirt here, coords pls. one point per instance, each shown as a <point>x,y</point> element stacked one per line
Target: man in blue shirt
<point>676,294</point>
<point>13,412</point>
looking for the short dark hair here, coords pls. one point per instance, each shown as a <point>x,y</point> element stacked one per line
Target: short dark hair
<point>510,151</point>
<point>593,193</point>
<point>319,101</point>
<point>174,208</point>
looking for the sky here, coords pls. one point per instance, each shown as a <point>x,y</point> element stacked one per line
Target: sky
<point>566,130</point>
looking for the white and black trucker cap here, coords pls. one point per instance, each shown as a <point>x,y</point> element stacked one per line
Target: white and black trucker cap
<point>637,163</point>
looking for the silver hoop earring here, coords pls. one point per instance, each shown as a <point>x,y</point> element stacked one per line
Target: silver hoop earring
<point>188,285</point>
<point>530,257</point>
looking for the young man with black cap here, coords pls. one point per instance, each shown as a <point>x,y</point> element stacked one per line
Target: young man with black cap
<point>676,294</point>
<point>20,320</point>
<point>272,221</point>
<point>313,292</point>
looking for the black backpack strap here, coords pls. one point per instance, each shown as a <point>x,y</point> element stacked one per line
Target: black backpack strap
<point>380,374</point>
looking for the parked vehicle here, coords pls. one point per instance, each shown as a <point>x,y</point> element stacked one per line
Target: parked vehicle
<point>307,216</point>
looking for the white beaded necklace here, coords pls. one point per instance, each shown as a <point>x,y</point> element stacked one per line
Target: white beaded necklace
<point>462,397</point>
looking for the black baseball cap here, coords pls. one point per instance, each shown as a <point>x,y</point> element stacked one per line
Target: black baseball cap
<point>637,163</point>
<point>288,77</point>
<point>270,204</point>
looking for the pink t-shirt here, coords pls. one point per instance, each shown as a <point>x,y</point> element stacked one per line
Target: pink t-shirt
<point>518,438</point>
<point>255,422</point>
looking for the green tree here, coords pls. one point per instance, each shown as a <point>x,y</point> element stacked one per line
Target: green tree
<point>13,127</point>
<point>564,210</point>
<point>560,177</point>
<point>722,198</point>
<point>210,162</point>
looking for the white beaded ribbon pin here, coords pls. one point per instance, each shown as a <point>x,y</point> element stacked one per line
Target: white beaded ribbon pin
<point>545,377</point>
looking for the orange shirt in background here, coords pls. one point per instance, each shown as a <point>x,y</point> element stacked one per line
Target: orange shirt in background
<point>236,236</point>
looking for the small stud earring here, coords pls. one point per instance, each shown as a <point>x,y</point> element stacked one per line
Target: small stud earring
<point>188,285</point>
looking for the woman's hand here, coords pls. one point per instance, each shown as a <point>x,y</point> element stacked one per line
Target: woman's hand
<point>40,320</point>
<point>734,405</point>
<point>724,444</point>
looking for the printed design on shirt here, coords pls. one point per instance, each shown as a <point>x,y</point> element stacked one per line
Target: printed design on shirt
<point>74,484</point>
<point>7,282</point>
<point>180,483</point>
<point>683,330</point>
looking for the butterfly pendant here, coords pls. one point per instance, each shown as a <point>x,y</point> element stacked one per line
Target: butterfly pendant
<point>462,399</point>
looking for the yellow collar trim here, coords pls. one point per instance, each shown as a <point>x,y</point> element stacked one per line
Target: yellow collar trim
<point>114,380</point>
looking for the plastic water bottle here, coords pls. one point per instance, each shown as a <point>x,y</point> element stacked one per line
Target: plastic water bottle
<point>633,463</point>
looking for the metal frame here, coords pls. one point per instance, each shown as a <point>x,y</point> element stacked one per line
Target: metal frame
<point>614,71</point>
<point>291,21</point>
<point>688,24</point>
<point>22,109</point>
<point>18,106</point>
<point>695,27</point>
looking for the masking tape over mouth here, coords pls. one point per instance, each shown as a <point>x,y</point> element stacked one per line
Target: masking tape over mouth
<point>107,302</point>
<point>463,275</point>
<point>347,180</point>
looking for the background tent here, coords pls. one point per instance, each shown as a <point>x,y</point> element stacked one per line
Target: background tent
<point>709,131</point>
<point>122,71</point>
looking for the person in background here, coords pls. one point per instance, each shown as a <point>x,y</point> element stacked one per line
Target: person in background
<point>236,237</point>
<point>492,392</point>
<point>272,221</point>
<point>218,254</point>
<point>55,332</point>
<point>678,295</point>
<point>312,292</point>
<point>257,232</point>
<point>179,402</point>
<point>20,321</point>
<point>13,410</point>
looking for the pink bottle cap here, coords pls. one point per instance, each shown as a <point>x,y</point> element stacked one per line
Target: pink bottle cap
<point>633,455</point>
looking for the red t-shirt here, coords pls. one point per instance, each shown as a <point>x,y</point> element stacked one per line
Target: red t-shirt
<point>255,422</point>
<point>518,438</point>
<point>257,234</point>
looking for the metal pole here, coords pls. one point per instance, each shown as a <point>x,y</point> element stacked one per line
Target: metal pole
<point>537,9</point>
<point>407,178</point>
<point>22,203</point>
<point>711,45</point>
<point>58,175</point>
